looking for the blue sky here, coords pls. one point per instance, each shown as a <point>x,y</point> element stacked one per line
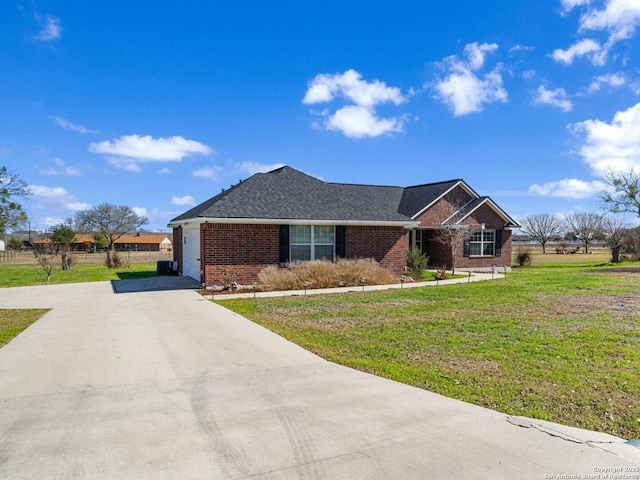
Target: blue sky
<point>160,105</point>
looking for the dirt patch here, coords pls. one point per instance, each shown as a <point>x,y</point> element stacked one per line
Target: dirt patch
<point>625,271</point>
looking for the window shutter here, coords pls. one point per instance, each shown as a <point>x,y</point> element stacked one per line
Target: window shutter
<point>341,241</point>
<point>284,243</point>
<point>467,248</point>
<point>498,246</point>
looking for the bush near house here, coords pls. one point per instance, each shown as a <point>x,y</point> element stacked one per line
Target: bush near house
<point>325,274</point>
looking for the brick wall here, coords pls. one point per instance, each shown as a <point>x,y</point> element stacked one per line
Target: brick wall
<point>243,249</point>
<point>177,247</point>
<point>387,245</point>
<point>444,208</point>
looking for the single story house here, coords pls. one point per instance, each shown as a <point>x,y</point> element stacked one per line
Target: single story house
<point>286,216</point>
<point>131,242</point>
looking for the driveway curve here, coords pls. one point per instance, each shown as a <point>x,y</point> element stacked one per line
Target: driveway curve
<point>163,384</point>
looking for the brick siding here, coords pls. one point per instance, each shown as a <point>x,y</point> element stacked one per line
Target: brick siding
<point>177,247</point>
<point>387,245</point>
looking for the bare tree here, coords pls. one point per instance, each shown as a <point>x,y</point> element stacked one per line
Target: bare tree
<point>112,221</point>
<point>615,231</point>
<point>625,194</point>
<point>47,255</point>
<point>586,226</point>
<point>451,234</point>
<point>542,227</point>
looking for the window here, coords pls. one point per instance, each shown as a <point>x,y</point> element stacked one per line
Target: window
<point>309,242</point>
<point>482,243</point>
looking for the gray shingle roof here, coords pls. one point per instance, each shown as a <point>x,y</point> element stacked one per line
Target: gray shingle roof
<point>288,194</point>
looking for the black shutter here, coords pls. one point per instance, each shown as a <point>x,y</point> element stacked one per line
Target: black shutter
<point>467,248</point>
<point>498,246</point>
<point>341,241</point>
<point>284,243</point>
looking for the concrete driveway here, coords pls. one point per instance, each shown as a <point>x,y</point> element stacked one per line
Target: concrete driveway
<point>162,384</point>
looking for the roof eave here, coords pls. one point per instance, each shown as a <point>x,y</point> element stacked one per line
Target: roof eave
<point>408,224</point>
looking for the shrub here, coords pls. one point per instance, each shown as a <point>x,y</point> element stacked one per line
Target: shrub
<point>523,256</point>
<point>416,263</point>
<point>325,274</point>
<point>440,274</point>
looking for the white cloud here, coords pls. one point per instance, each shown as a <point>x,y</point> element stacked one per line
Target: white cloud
<point>612,80</point>
<point>186,200</point>
<point>611,146</point>
<point>556,98</point>
<point>51,29</point>
<point>62,169</point>
<point>356,121</point>
<point>55,198</point>
<point>618,20</point>
<point>324,88</point>
<point>252,168</point>
<point>164,171</point>
<point>568,5</point>
<point>130,150</point>
<point>129,164</point>
<point>568,188</point>
<point>212,173</point>
<point>585,47</point>
<point>359,119</point>
<point>71,126</point>
<point>464,91</point>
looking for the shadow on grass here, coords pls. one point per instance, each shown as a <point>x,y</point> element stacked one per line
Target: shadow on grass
<point>136,275</point>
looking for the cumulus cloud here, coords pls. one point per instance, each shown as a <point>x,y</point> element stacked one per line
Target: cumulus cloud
<point>51,29</point>
<point>611,146</point>
<point>62,169</point>
<point>612,80</point>
<point>585,47</point>
<point>359,118</point>
<point>127,152</point>
<point>568,188</point>
<point>556,98</point>
<point>617,20</point>
<point>186,200</point>
<point>212,173</point>
<point>55,198</point>
<point>252,168</point>
<point>71,126</point>
<point>464,90</point>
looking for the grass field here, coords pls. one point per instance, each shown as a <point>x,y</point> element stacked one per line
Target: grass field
<point>12,322</point>
<point>20,275</point>
<point>558,342</point>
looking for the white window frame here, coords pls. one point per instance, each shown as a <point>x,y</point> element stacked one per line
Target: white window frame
<point>312,245</point>
<point>483,243</point>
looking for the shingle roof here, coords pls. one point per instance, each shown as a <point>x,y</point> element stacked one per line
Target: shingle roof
<point>288,194</point>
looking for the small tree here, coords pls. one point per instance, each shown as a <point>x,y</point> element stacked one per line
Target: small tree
<point>542,227</point>
<point>12,187</point>
<point>615,231</point>
<point>112,221</point>
<point>586,226</point>
<point>625,194</point>
<point>63,236</point>
<point>15,244</point>
<point>632,242</point>
<point>48,257</point>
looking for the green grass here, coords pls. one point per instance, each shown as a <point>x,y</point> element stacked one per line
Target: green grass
<point>12,275</point>
<point>12,322</point>
<point>558,342</point>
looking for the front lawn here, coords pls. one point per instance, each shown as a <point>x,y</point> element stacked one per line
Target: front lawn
<point>560,343</point>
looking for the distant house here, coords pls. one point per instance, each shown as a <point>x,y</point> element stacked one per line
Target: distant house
<point>285,216</point>
<point>137,242</point>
